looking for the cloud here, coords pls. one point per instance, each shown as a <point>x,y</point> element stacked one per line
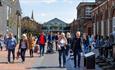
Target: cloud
<point>37,1</point>
<point>43,14</point>
<point>68,1</point>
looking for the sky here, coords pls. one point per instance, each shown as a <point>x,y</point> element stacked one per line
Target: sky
<point>45,10</point>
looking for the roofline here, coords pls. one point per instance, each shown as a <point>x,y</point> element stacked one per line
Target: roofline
<point>100,5</point>
<point>85,3</point>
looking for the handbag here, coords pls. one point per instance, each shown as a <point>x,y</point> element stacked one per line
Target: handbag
<point>36,49</point>
<point>18,54</point>
<point>58,47</point>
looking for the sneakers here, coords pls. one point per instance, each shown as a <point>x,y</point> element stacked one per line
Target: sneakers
<point>9,62</point>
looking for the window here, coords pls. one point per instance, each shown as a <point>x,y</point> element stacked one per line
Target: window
<point>89,30</point>
<point>113,24</point>
<point>8,12</point>
<point>88,11</point>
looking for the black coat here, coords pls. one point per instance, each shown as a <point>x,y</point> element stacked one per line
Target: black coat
<point>76,45</point>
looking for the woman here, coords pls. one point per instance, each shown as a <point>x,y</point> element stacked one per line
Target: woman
<point>62,42</point>
<point>31,41</point>
<point>1,41</point>
<point>85,43</point>
<point>69,38</point>
<point>23,45</point>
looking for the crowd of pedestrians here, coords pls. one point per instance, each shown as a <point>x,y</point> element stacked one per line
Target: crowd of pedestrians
<point>63,43</point>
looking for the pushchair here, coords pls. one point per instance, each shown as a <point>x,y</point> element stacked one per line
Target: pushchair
<point>50,47</point>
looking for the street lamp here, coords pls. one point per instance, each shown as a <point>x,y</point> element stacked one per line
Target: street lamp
<point>18,15</point>
<point>0,3</point>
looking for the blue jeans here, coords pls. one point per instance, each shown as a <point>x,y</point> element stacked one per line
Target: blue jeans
<point>86,50</point>
<point>42,50</point>
<point>9,54</point>
<point>62,53</point>
<point>23,51</point>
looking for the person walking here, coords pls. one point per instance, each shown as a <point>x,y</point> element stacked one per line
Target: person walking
<point>62,42</point>
<point>5,40</point>
<point>76,47</point>
<point>85,43</point>
<point>41,42</point>
<point>31,41</point>
<point>11,44</point>
<point>69,38</point>
<point>23,45</point>
<point>56,40</point>
<point>1,41</point>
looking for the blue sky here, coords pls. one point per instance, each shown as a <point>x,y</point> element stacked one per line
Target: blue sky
<point>45,10</point>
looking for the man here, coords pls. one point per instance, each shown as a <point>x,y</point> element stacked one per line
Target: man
<point>41,41</point>
<point>76,47</point>
<point>11,44</point>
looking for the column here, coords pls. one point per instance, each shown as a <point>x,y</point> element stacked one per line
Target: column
<point>113,24</point>
<point>97,27</point>
<point>102,28</point>
<point>94,29</point>
<point>108,26</point>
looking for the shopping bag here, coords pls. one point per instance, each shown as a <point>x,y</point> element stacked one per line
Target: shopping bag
<point>18,54</point>
<point>36,49</point>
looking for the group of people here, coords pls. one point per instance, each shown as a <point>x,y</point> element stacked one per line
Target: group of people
<point>76,43</point>
<point>64,43</point>
<point>26,42</point>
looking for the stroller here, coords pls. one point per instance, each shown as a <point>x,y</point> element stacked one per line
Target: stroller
<point>50,47</point>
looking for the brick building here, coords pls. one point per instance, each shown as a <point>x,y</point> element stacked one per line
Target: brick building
<point>74,26</point>
<point>84,18</point>
<point>104,17</point>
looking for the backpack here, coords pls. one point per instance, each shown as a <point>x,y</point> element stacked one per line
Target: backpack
<point>41,39</point>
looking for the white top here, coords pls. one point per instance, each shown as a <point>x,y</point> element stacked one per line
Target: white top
<point>62,42</point>
<point>23,45</point>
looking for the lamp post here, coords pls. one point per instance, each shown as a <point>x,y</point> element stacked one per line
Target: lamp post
<point>18,15</point>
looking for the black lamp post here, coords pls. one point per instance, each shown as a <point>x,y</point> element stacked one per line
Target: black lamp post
<point>0,3</point>
<point>18,15</point>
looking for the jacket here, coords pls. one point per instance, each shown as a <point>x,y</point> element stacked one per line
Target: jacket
<point>76,45</point>
<point>11,43</point>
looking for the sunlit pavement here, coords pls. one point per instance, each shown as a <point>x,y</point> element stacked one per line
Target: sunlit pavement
<point>17,65</point>
<point>50,62</point>
<point>46,62</point>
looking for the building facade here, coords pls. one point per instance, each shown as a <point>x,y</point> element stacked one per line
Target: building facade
<point>10,16</point>
<point>55,25</point>
<point>104,18</point>
<point>84,18</point>
<point>74,26</point>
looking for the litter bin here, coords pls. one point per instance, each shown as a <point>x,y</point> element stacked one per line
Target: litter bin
<point>89,60</point>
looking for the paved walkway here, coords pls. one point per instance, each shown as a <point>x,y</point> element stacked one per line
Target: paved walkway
<point>48,62</point>
<point>17,65</point>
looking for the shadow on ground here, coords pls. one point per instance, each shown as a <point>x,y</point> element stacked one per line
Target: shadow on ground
<point>9,63</point>
<point>44,67</point>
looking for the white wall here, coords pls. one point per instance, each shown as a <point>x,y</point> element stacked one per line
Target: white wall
<point>3,16</point>
<point>3,20</point>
